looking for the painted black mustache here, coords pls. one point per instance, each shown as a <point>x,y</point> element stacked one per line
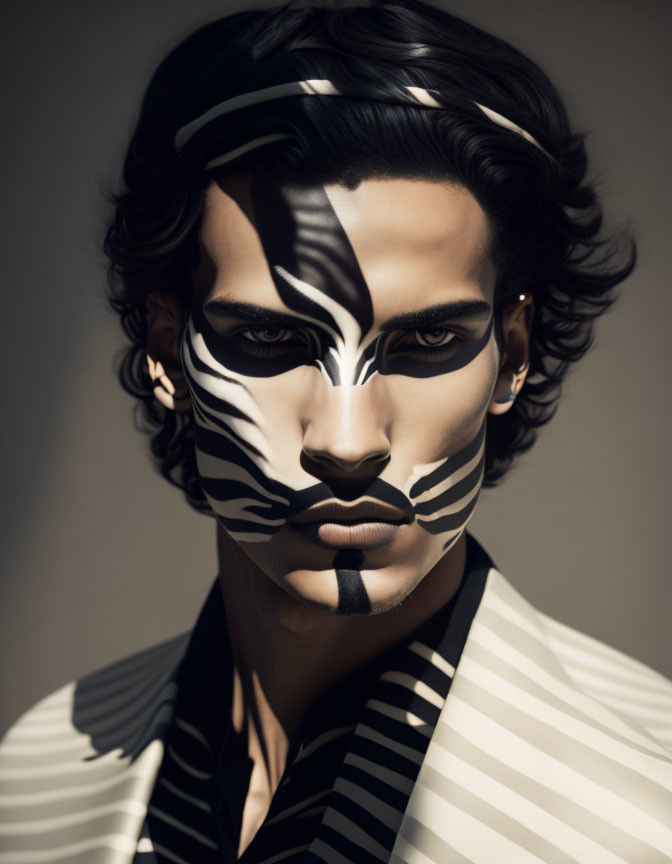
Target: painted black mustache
<point>269,509</point>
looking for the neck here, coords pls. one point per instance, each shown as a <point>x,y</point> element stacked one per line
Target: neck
<point>286,653</point>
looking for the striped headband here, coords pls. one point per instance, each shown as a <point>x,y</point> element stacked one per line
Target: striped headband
<point>311,87</point>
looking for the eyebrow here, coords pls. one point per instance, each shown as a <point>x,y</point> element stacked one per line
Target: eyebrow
<point>409,321</point>
<point>437,314</point>
<point>250,312</point>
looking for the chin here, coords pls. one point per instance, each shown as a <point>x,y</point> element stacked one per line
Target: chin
<point>381,590</point>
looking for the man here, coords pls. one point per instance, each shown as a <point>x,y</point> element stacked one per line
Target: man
<point>354,258</point>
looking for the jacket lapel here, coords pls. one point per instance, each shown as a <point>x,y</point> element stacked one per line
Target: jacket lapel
<point>524,766</point>
<point>78,769</point>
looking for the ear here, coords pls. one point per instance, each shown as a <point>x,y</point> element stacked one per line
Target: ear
<point>164,327</point>
<point>514,365</point>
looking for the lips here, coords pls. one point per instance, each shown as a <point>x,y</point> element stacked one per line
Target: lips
<point>363,511</point>
<point>365,525</point>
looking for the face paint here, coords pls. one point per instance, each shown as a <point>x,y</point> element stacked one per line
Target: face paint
<point>328,313</point>
<point>446,492</point>
<point>352,596</point>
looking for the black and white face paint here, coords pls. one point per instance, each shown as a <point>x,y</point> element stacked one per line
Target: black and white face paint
<point>329,340</point>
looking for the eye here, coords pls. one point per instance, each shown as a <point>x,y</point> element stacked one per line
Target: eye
<point>434,338</point>
<point>267,335</point>
<point>270,341</point>
<point>430,343</point>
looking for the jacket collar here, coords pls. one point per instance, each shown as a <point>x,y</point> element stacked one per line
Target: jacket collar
<point>524,765</point>
<point>518,744</point>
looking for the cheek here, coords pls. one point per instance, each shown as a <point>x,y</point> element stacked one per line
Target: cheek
<point>233,414</point>
<point>437,416</point>
<point>446,477</point>
<point>281,404</point>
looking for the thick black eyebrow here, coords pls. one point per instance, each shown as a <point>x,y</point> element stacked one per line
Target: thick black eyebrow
<point>250,312</point>
<point>409,321</point>
<point>438,314</point>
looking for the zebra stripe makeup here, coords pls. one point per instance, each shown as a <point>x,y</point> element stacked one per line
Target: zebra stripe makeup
<point>329,325</point>
<point>249,497</point>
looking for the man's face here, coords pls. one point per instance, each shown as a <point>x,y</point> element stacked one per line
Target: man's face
<point>341,351</point>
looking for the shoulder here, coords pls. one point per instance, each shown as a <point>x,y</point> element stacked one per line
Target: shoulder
<point>605,675</point>
<point>548,740</point>
<point>115,697</point>
<point>613,678</point>
<point>77,769</point>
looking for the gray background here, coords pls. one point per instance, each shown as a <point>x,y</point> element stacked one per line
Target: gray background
<point>100,557</point>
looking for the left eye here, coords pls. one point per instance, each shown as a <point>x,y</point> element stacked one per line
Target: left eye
<point>438,337</point>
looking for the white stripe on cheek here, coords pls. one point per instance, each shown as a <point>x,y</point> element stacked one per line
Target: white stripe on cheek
<point>234,508</point>
<point>251,440</point>
<point>449,482</point>
<point>235,393</point>
<point>458,505</point>
<point>211,467</point>
<point>250,431</point>
<point>252,437</point>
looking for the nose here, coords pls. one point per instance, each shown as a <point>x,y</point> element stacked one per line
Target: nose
<point>346,431</point>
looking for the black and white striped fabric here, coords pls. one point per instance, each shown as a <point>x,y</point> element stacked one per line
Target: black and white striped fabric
<point>350,770</point>
<point>551,748</point>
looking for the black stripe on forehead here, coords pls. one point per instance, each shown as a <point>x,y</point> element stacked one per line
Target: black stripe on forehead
<point>300,232</point>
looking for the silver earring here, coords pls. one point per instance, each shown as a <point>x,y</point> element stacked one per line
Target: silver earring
<point>511,395</point>
<point>509,398</point>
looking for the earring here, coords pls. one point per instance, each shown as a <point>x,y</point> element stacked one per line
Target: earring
<point>509,398</point>
<point>511,395</point>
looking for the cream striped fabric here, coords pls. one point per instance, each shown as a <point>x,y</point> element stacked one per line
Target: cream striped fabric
<point>544,751</point>
<point>550,748</point>
<point>77,770</point>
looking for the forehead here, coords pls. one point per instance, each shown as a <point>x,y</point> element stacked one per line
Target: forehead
<point>416,242</point>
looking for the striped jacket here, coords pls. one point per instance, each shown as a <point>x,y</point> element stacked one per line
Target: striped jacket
<point>551,747</point>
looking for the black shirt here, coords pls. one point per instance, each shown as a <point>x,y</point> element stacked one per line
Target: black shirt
<point>350,768</point>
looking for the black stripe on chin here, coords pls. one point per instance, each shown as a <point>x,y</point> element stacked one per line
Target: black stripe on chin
<point>352,595</point>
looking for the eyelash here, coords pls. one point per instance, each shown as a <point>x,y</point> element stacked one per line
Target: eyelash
<point>264,349</point>
<point>268,348</point>
<point>428,350</point>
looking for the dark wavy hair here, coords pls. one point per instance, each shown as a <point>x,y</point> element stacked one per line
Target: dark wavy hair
<point>545,220</point>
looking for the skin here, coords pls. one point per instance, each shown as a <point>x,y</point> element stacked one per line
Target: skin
<point>353,412</point>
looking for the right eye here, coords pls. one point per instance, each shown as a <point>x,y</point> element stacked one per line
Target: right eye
<point>266,335</point>
<point>269,341</point>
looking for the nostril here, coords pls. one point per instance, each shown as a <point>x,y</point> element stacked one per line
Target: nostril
<point>378,457</point>
<point>345,463</point>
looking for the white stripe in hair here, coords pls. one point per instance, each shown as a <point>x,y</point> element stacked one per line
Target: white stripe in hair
<point>312,87</point>
<point>500,120</point>
<point>423,96</point>
<point>244,148</point>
